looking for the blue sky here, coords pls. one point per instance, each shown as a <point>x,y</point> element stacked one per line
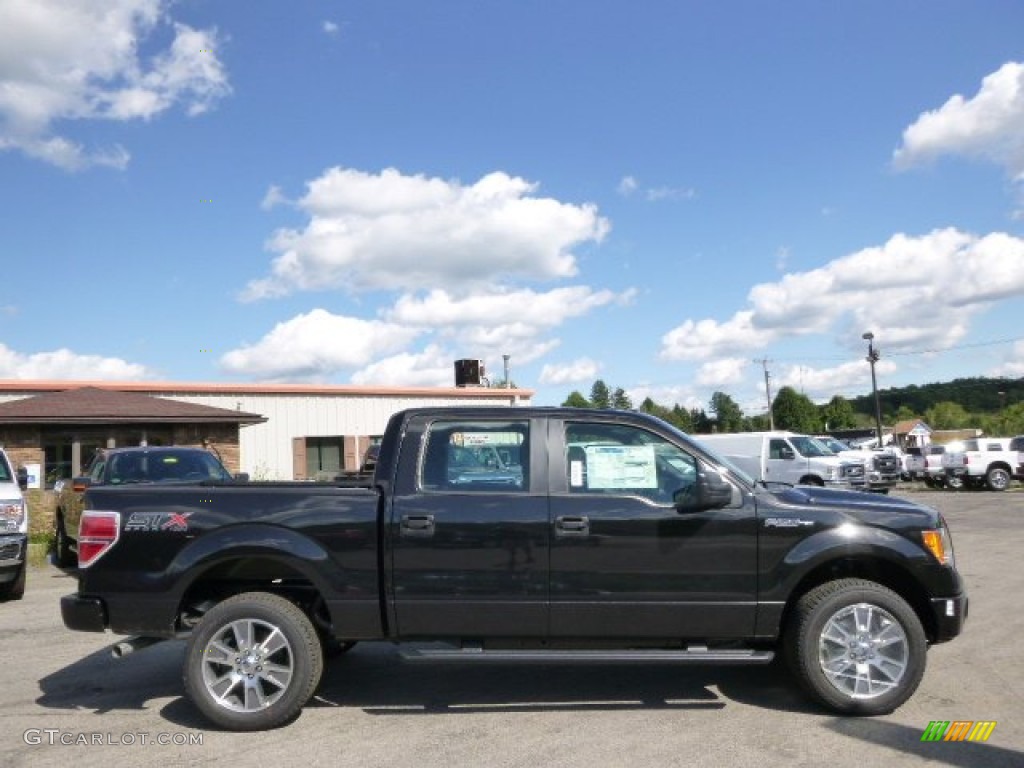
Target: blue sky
<point>656,194</point>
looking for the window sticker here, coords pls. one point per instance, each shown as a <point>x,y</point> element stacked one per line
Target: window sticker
<point>576,473</point>
<point>621,466</point>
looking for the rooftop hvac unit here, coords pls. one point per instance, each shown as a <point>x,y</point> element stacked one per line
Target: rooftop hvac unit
<point>468,373</point>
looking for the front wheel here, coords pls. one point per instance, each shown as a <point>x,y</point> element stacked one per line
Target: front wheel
<point>14,589</point>
<point>253,662</point>
<point>856,647</point>
<point>997,479</point>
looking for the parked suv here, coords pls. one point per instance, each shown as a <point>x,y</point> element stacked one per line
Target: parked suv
<point>1017,444</point>
<point>13,531</point>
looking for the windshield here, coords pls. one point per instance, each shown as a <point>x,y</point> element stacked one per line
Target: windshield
<point>808,446</point>
<point>5,470</point>
<point>832,444</point>
<point>188,466</point>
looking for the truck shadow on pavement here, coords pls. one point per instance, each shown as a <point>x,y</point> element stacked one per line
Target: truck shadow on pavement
<point>373,678</point>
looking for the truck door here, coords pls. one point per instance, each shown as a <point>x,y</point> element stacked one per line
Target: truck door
<point>468,534</point>
<point>783,464</point>
<point>624,561</point>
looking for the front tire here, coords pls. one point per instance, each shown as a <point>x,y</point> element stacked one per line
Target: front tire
<point>253,662</point>
<point>14,590</point>
<point>997,479</point>
<point>856,647</point>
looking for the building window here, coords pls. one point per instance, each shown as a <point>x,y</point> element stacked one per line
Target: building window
<point>323,457</point>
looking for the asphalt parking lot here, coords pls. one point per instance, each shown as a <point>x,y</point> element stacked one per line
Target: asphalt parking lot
<point>374,710</point>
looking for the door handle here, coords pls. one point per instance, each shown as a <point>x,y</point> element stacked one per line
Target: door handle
<point>417,525</point>
<point>572,525</point>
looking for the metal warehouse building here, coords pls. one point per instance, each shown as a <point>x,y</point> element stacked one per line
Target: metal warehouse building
<point>281,432</point>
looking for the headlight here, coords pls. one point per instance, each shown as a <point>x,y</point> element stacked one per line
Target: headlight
<point>13,516</point>
<point>940,544</point>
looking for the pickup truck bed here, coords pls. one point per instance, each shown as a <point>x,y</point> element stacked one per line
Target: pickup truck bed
<point>601,536</point>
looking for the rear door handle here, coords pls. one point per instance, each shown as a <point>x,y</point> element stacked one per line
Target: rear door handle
<point>572,525</point>
<point>417,525</point>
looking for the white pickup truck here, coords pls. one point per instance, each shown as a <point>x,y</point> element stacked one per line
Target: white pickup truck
<point>981,462</point>
<point>882,468</point>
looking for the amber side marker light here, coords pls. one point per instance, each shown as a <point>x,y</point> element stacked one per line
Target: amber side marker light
<point>937,543</point>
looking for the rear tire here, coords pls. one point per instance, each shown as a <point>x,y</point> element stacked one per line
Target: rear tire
<point>856,647</point>
<point>253,662</point>
<point>63,556</point>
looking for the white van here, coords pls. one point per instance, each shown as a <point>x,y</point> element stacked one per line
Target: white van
<point>786,457</point>
<point>13,532</point>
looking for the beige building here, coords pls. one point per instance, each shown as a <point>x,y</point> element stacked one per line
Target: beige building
<point>280,432</point>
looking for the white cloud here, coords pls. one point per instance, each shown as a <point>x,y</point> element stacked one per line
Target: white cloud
<point>396,232</point>
<point>316,345</point>
<point>433,367</point>
<point>64,60</point>
<point>723,372</point>
<point>1014,366</point>
<point>273,198</point>
<point>913,292</point>
<point>627,186</point>
<point>65,364</point>
<point>330,27</point>
<point>821,384</point>
<point>987,125</point>
<point>580,369</point>
<point>667,395</point>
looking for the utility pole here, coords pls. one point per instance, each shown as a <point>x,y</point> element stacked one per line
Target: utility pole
<point>872,358</point>
<point>768,391</point>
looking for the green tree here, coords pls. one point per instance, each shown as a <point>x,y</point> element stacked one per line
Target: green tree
<point>576,400</point>
<point>838,413</point>
<point>600,397</point>
<point>796,412</point>
<point>699,422</point>
<point>621,400</point>
<point>728,415</point>
<point>947,415</point>
<point>681,418</point>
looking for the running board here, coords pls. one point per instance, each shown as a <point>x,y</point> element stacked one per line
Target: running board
<point>693,655</point>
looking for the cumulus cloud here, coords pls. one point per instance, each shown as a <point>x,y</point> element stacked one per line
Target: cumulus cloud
<point>876,288</point>
<point>63,60</point>
<point>723,372</point>
<point>1013,367</point>
<point>432,367</point>
<point>392,231</point>
<point>580,369</point>
<point>988,125</point>
<point>315,345</point>
<point>65,364</point>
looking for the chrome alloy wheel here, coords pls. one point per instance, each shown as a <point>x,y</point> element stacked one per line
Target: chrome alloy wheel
<point>863,651</point>
<point>247,665</point>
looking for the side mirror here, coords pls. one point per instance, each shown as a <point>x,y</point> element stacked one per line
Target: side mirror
<point>79,484</point>
<point>709,492</point>
<point>22,474</point>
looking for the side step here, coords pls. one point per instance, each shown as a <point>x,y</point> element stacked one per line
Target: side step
<point>691,655</point>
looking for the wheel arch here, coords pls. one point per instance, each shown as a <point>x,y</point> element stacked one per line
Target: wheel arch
<point>879,570</point>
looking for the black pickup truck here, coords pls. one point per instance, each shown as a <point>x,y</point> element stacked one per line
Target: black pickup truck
<point>603,536</point>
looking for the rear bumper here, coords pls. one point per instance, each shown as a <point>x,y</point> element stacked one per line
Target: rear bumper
<point>84,614</point>
<point>950,615</point>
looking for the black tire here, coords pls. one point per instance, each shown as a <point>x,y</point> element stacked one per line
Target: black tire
<point>929,481</point>
<point>264,630</point>
<point>896,673</point>
<point>14,590</point>
<point>63,556</point>
<point>955,482</point>
<point>997,479</point>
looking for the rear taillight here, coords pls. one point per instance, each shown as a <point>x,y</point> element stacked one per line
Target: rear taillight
<point>97,533</point>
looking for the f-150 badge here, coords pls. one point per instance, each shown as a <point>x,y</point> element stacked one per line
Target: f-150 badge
<point>158,521</point>
<point>787,522</point>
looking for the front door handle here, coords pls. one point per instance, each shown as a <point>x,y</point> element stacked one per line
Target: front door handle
<point>572,525</point>
<point>417,525</point>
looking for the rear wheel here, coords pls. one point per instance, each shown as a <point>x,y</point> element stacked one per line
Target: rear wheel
<point>856,647</point>
<point>253,662</point>
<point>64,557</point>
<point>997,479</point>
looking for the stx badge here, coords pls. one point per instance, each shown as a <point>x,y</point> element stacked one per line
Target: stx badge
<point>158,521</point>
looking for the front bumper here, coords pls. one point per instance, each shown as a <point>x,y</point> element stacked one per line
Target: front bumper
<point>84,614</point>
<point>950,614</point>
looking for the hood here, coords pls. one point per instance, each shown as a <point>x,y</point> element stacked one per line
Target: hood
<point>867,508</point>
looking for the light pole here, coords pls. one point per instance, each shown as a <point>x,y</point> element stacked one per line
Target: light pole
<point>873,358</point>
